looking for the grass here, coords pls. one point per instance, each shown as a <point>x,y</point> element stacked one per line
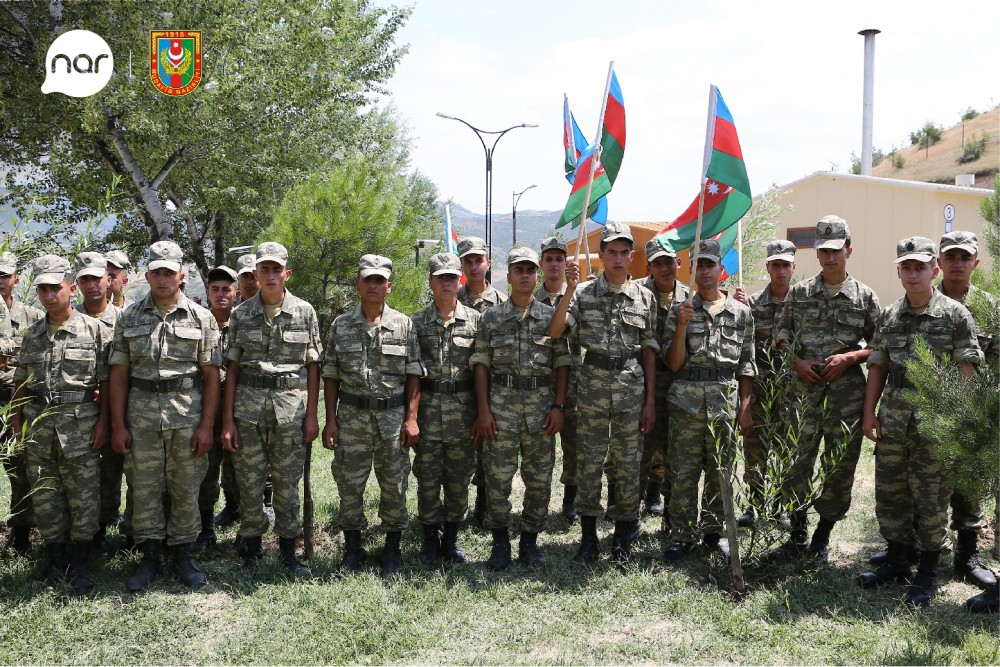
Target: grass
<point>468,615</point>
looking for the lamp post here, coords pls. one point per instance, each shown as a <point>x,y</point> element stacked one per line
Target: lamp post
<point>489,176</point>
<point>516,196</point>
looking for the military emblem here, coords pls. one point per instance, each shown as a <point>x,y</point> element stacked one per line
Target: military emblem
<point>175,60</point>
<point>829,230</point>
<point>910,246</point>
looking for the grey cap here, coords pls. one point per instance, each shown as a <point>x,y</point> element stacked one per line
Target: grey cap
<point>709,249</point>
<point>522,254</point>
<point>656,249</point>
<point>8,263</point>
<point>91,264</point>
<point>472,245</point>
<point>50,270</point>
<point>963,240</point>
<point>831,232</point>
<point>270,251</point>
<point>444,263</point>
<point>616,230</point>
<point>919,248</point>
<point>246,264</point>
<point>552,243</point>
<point>165,255</point>
<point>781,250</point>
<point>118,258</point>
<point>374,265</point>
<point>222,272</point>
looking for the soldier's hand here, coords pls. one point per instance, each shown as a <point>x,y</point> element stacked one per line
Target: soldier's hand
<point>872,428</point>
<point>100,435</point>
<point>804,369</point>
<point>685,313</point>
<point>4,360</point>
<point>835,366</point>
<point>740,295</point>
<point>553,422</point>
<point>648,418</point>
<point>572,275</point>
<point>310,428</point>
<point>121,440</point>
<point>744,420</point>
<point>230,437</point>
<point>331,434</point>
<point>484,428</point>
<point>202,441</point>
<point>409,433</point>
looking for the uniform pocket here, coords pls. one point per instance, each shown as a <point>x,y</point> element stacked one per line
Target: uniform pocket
<point>730,343</point>
<point>504,352</point>
<point>183,345</point>
<point>696,335</point>
<point>79,364</point>
<point>393,359</point>
<point>139,340</point>
<point>293,345</point>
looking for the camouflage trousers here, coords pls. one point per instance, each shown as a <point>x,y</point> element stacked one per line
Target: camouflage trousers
<point>64,489</point>
<point>219,461</point>
<point>911,491</point>
<point>966,513</point>
<point>653,467</point>
<point>609,434</point>
<point>755,449</point>
<point>363,448</point>
<point>162,462</point>
<point>112,469</point>
<point>22,514</point>
<point>698,446</point>
<point>568,440</point>
<point>537,453</point>
<point>443,465</point>
<point>268,446</point>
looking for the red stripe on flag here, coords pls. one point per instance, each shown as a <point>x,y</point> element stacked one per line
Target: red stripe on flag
<point>726,139</point>
<point>690,214</point>
<point>583,172</point>
<point>614,120</point>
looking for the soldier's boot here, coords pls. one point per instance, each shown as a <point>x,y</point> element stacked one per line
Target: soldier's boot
<point>590,546</point>
<point>286,549</point>
<point>392,558</point>
<point>500,553</point>
<point>20,541</point>
<point>612,499</point>
<point>967,564</point>
<point>625,532</point>
<point>912,555</point>
<point>747,519</point>
<point>431,549</point>
<point>253,553</point>
<point>676,552</point>
<point>229,514</point>
<point>921,590</point>
<point>716,542</point>
<point>569,503</point>
<point>206,538</point>
<point>796,545</point>
<point>450,549</point>
<point>653,500</point>
<point>528,552</point>
<point>479,508</point>
<point>79,569</point>
<point>987,602</point>
<point>99,544</point>
<point>187,570</point>
<point>354,553</point>
<point>819,546</point>
<point>895,568</point>
<point>58,564</point>
<point>150,567</point>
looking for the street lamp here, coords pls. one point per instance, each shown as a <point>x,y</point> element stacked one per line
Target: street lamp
<point>513,226</point>
<point>489,176</point>
<point>423,243</point>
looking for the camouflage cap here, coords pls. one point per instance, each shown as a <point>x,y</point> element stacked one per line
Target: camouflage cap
<point>780,250</point>
<point>222,272</point>
<point>50,270</point>
<point>444,263</point>
<point>831,232</point>
<point>270,251</point>
<point>246,264</point>
<point>165,255</point>
<point>118,258</point>
<point>91,264</point>
<point>471,245</point>
<point>963,240</point>
<point>8,263</point>
<point>709,249</point>
<point>656,249</point>
<point>919,248</point>
<point>374,265</point>
<point>616,230</point>
<point>552,243</point>
<point>522,254</point>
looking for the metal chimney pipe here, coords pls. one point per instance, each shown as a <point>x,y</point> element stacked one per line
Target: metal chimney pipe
<point>868,104</point>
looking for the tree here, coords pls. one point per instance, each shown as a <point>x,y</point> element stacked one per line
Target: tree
<point>926,136</point>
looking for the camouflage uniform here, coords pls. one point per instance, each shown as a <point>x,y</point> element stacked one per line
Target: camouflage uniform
<point>765,310</point>
<point>219,460</point>
<point>480,302</point>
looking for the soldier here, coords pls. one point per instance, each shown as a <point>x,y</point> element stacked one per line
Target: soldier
<point>164,394</point>
<point>614,321</point>
<point>248,284</point>
<point>118,269</point>
<point>479,295</point>
<point>15,321</point>
<point>272,337</point>
<point>711,353</point>
<point>765,306</point>
<point>371,378</point>
<point>551,292</point>
<point>910,482</point>
<point>445,459</point>
<point>513,361</point>
<point>823,321</point>
<point>64,358</point>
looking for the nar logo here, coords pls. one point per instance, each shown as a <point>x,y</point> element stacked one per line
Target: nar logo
<point>79,64</point>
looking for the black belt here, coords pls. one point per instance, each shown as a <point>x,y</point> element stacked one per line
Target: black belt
<point>521,381</point>
<point>899,380</point>
<point>608,362</point>
<point>702,373</point>
<point>63,397</point>
<point>446,386</point>
<point>6,394</point>
<point>262,381</point>
<point>163,386</point>
<point>371,402</point>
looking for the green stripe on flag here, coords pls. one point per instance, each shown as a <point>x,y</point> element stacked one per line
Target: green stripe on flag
<point>730,170</point>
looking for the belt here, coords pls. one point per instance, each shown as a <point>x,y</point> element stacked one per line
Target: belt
<point>63,397</point>
<point>899,380</point>
<point>371,402</point>
<point>262,381</point>
<point>163,386</point>
<point>702,373</point>
<point>607,362</point>
<point>521,381</point>
<point>446,386</point>
<point>6,394</point>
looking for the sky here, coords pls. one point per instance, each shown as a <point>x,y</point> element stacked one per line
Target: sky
<point>790,72</point>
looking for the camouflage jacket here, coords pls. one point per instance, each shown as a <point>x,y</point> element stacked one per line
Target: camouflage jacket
<point>12,327</point>
<point>281,347</point>
<point>681,291</point>
<point>108,318</point>
<point>988,344</point>
<point>766,312</point>
<point>574,348</point>
<point>490,297</point>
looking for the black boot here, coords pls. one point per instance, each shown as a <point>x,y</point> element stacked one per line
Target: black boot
<point>149,569</point>
<point>624,534</point>
<point>479,509</point>
<point>20,541</point>
<point>58,564</point>
<point>286,549</point>
<point>431,550</point>
<point>354,553</point>
<point>569,503</point>
<point>229,515</point>
<point>967,563</point>
<point>676,552</point>
<point>716,542</point>
<point>500,553</point>
<point>921,590</point>
<point>819,546</point>
<point>654,501</point>
<point>528,552</point>
<point>450,550</point>
<point>912,556</point>
<point>590,546</point>
<point>796,544</point>
<point>895,568</point>
<point>987,602</point>
<point>187,570</point>
<point>79,569</point>
<point>612,499</point>
<point>252,551</point>
<point>392,559</point>
<point>206,538</point>
<point>747,519</point>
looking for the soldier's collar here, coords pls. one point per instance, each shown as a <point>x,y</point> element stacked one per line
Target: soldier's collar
<point>849,288</point>
<point>73,326</point>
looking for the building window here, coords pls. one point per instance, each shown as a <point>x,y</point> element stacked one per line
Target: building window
<point>802,237</point>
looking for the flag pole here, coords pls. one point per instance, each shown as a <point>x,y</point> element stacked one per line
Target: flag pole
<point>593,167</point>
<point>739,249</point>
<point>709,141</point>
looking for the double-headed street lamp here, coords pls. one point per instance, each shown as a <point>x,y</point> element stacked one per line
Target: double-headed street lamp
<point>489,175</point>
<point>516,196</point>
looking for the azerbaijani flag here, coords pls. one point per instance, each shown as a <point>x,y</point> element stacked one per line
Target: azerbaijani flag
<point>613,131</point>
<point>451,237</point>
<point>574,143</point>
<point>730,252</point>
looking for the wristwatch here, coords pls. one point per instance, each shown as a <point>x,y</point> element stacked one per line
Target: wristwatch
<point>561,407</point>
